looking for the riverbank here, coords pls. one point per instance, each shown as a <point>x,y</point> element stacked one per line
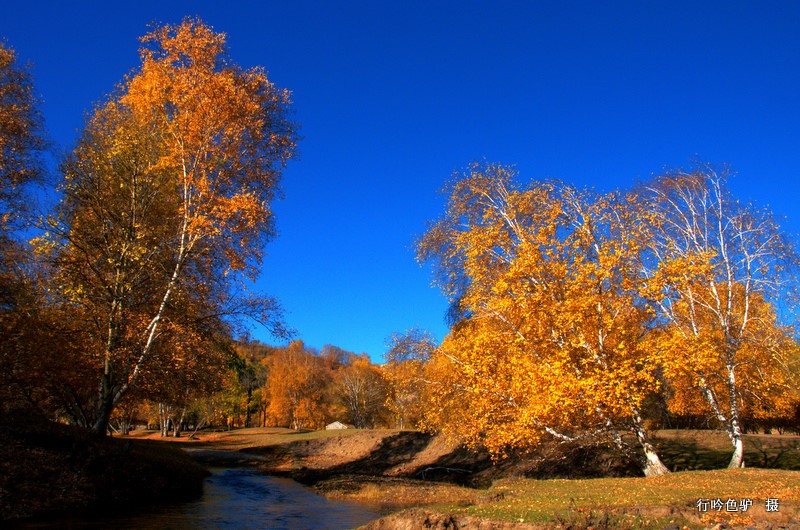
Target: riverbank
<point>437,485</point>
<point>48,469</point>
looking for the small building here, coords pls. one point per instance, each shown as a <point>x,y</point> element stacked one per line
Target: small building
<point>338,425</point>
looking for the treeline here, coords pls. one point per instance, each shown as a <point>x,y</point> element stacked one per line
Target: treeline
<point>291,386</point>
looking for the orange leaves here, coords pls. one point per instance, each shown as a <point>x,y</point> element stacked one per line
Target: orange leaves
<point>222,131</point>
<point>166,203</point>
<point>719,273</point>
<point>549,336</point>
<point>189,42</point>
<point>21,138</point>
<point>294,387</point>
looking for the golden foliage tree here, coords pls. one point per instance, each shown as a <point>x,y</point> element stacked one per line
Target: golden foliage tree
<point>361,389</point>
<point>21,137</point>
<point>167,203</point>
<point>404,372</point>
<point>716,266</point>
<point>27,327</point>
<point>544,283</point>
<point>295,387</point>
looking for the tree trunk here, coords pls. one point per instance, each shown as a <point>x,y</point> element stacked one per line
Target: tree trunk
<point>247,407</point>
<point>735,429</point>
<point>125,423</point>
<point>730,424</point>
<point>164,418</point>
<point>178,425</point>
<point>653,465</point>
<point>105,402</point>
<point>737,460</point>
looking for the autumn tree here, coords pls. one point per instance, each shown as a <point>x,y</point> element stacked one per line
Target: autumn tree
<point>404,369</point>
<point>27,326</point>
<point>32,377</point>
<point>334,357</point>
<point>295,387</point>
<point>21,138</point>
<point>167,203</point>
<point>716,268</point>
<point>547,341</point>
<point>361,388</point>
<point>251,376</point>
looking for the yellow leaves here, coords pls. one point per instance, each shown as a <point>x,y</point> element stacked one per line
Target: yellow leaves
<point>548,277</point>
<point>167,191</point>
<point>21,138</point>
<point>43,244</point>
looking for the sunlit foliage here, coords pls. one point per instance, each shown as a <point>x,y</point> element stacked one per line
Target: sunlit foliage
<point>549,339</point>
<point>166,203</point>
<point>717,268</point>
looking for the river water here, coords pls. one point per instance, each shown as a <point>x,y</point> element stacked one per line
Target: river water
<point>241,498</point>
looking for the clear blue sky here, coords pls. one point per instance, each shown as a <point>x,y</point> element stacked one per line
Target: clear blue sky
<point>393,97</point>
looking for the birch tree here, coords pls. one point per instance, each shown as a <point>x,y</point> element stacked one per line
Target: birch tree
<point>167,198</point>
<point>361,389</point>
<point>404,371</point>
<point>716,268</point>
<point>549,339</point>
<point>21,137</point>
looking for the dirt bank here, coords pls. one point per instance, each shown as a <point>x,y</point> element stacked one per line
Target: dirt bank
<point>389,469</point>
<point>311,457</point>
<point>48,469</point>
<point>417,518</point>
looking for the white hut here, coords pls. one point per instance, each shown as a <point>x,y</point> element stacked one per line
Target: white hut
<point>337,425</point>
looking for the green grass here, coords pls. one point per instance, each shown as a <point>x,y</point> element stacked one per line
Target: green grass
<point>687,450</point>
<point>700,459</point>
<point>621,502</point>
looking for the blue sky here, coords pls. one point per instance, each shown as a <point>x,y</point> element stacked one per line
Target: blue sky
<point>392,97</point>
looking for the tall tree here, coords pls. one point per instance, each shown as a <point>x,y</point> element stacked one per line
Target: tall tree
<point>361,388</point>
<point>716,267</point>
<point>167,201</point>
<point>21,137</point>
<point>295,385</point>
<point>404,369</point>
<point>548,341</point>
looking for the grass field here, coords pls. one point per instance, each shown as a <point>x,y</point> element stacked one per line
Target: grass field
<point>687,450</point>
<point>699,458</point>
<point>642,502</point>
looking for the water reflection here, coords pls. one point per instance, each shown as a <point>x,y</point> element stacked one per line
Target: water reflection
<point>244,499</point>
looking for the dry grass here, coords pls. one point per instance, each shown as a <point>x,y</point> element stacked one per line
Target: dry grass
<point>245,439</point>
<point>388,494</point>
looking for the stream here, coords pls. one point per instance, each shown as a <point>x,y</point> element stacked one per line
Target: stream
<point>240,498</point>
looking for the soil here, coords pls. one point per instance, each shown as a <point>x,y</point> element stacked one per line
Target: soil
<point>47,469</point>
<point>312,457</point>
